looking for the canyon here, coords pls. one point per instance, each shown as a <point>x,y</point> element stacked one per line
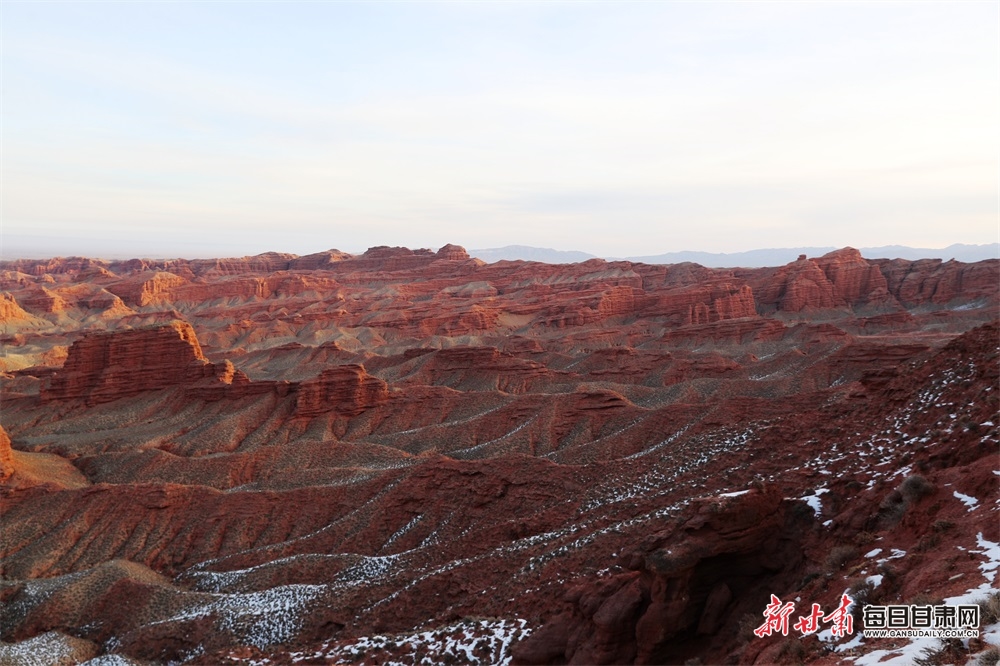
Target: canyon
<point>414,456</point>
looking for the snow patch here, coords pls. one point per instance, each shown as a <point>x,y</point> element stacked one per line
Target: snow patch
<point>968,501</point>
<point>111,660</point>
<point>851,644</point>
<point>992,552</point>
<point>260,618</point>
<point>469,642</point>
<point>49,648</point>
<point>813,500</point>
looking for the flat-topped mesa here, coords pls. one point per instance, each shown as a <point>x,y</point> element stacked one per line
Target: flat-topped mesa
<point>54,266</point>
<point>147,288</point>
<point>318,260</point>
<point>346,390</point>
<point>106,366</point>
<point>384,258</point>
<point>268,262</point>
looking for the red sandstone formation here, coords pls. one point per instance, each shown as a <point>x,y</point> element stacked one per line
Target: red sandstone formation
<point>345,389</point>
<point>13,316</point>
<point>148,288</point>
<point>6,456</point>
<point>102,367</point>
<point>934,281</point>
<point>410,455</point>
<point>855,281</point>
<point>44,301</point>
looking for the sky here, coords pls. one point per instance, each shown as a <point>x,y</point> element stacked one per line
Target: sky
<point>619,129</point>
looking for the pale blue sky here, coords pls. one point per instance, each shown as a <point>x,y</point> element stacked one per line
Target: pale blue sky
<point>223,128</point>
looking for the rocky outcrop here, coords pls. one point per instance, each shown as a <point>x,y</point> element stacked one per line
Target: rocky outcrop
<point>844,279</point>
<point>106,304</point>
<point>318,261</point>
<point>801,285</point>
<point>268,262</point>
<point>147,288</point>
<point>54,266</point>
<point>6,456</point>
<point>680,591</point>
<point>44,301</point>
<point>716,300</point>
<point>346,390</point>
<point>453,253</point>
<point>855,281</point>
<point>929,281</point>
<point>616,301</point>
<point>477,369</point>
<point>690,294</point>
<point>11,311</point>
<point>247,287</point>
<point>106,366</point>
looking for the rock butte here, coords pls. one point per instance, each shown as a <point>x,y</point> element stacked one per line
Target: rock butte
<point>412,454</point>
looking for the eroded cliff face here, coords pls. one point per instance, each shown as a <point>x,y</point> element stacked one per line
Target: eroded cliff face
<point>6,456</point>
<point>678,587</point>
<point>410,454</point>
<point>345,389</point>
<point>107,366</point>
<point>844,279</point>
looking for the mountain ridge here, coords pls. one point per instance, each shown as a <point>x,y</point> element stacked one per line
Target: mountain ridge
<point>758,258</point>
<point>405,455</point>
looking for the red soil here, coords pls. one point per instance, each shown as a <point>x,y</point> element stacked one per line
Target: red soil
<point>275,456</point>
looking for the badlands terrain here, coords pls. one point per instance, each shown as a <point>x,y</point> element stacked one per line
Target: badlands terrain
<point>416,457</point>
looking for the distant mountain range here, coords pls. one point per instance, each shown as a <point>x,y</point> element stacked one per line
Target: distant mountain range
<point>749,259</point>
<point>546,255</point>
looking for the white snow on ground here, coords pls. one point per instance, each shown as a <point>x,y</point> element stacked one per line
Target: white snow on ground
<point>907,654</point>
<point>361,568</point>
<point>968,501</point>
<point>42,650</point>
<point>402,530</point>
<point>259,618</point>
<point>283,545</point>
<point>657,446</point>
<point>736,494</point>
<point>875,579</point>
<point>866,458</point>
<point>896,554</point>
<point>991,634</point>
<point>450,424</point>
<point>479,447</point>
<point>813,500</point>
<point>671,463</point>
<point>851,644</point>
<point>470,642</point>
<point>992,552</point>
<point>111,660</point>
<point>873,553</point>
